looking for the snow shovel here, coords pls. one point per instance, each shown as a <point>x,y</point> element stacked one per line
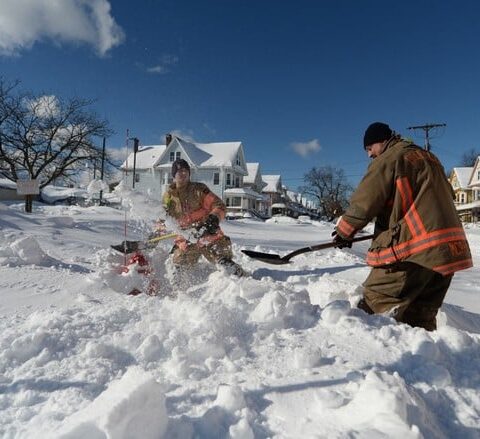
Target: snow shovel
<point>270,258</point>
<point>132,246</point>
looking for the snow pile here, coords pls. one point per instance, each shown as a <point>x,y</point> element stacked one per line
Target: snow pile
<point>133,406</point>
<point>283,352</point>
<point>23,251</point>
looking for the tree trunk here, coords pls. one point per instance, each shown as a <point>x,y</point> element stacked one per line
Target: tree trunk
<point>28,203</point>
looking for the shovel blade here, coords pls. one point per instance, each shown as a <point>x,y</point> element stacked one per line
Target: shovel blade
<point>268,258</point>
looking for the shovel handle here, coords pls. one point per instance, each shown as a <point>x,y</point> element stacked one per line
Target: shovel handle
<point>323,246</point>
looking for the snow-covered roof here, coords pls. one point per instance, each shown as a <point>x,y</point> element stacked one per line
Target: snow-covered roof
<point>468,206</point>
<point>147,157</point>
<point>463,175</point>
<point>252,169</point>
<point>50,193</point>
<point>243,191</point>
<point>7,184</point>
<point>211,154</point>
<point>273,183</point>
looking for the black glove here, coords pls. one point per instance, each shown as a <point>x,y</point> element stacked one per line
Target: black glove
<point>341,242</point>
<point>211,224</point>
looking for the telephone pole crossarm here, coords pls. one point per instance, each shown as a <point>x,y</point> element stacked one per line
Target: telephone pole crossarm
<point>427,127</point>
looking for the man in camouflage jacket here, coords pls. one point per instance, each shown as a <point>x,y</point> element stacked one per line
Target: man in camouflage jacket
<point>419,240</point>
<point>195,208</point>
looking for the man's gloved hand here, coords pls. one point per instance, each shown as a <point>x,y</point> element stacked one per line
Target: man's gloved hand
<point>211,224</point>
<point>341,242</point>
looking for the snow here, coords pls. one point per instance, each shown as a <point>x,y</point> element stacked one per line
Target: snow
<point>282,353</point>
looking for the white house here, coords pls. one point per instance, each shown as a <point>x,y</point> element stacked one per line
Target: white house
<point>459,179</point>
<point>273,191</point>
<point>248,198</point>
<point>220,166</point>
<point>465,182</point>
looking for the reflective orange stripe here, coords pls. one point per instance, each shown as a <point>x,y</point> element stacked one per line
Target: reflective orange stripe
<point>345,229</point>
<point>415,245</point>
<point>199,215</point>
<point>208,204</point>
<point>412,217</point>
<point>451,268</point>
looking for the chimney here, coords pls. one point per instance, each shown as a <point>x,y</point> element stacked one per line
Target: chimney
<point>168,138</point>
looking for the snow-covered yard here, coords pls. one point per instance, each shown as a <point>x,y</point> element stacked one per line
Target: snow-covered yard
<point>282,353</point>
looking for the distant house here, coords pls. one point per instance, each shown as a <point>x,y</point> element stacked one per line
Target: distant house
<point>220,166</point>
<point>273,191</point>
<point>459,178</point>
<point>249,198</point>
<point>465,182</point>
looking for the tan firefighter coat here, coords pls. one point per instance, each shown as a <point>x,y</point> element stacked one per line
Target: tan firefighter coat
<point>406,190</point>
<point>190,207</point>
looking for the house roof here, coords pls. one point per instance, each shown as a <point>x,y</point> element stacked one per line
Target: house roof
<point>243,191</point>
<point>206,155</point>
<point>147,157</point>
<point>273,183</point>
<point>463,175</point>
<point>7,184</point>
<point>474,180</point>
<point>211,154</point>
<point>253,169</point>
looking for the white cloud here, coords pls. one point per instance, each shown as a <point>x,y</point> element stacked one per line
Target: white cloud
<point>25,22</point>
<point>164,65</point>
<point>306,148</point>
<point>44,106</point>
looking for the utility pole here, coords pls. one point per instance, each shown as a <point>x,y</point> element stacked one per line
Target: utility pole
<point>135,150</point>
<point>427,128</point>
<point>103,168</point>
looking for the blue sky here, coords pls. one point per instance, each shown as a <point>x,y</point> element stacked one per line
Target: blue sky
<point>280,76</point>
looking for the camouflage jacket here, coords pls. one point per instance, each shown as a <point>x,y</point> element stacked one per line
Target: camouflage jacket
<point>406,191</point>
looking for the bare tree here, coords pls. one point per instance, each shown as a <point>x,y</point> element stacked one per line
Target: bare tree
<point>330,188</point>
<point>43,137</point>
<point>469,157</point>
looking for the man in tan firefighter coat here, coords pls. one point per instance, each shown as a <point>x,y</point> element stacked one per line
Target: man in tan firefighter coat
<point>195,207</point>
<point>419,240</point>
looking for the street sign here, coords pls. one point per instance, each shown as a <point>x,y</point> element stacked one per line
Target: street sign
<point>28,187</point>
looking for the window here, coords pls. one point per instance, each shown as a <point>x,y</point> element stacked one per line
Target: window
<point>462,198</point>
<point>237,181</point>
<point>172,156</point>
<point>177,155</point>
<point>229,180</point>
<point>216,178</point>
<point>238,160</point>
<point>236,202</point>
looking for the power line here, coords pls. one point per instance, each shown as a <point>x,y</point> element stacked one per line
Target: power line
<point>427,127</point>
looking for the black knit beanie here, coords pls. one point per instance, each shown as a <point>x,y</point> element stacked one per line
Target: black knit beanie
<point>376,132</point>
<point>179,163</point>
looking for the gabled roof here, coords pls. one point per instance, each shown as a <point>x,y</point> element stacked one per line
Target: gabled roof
<point>474,179</point>
<point>212,154</point>
<point>463,175</point>
<point>147,157</point>
<point>7,184</point>
<point>253,170</point>
<point>220,154</point>
<point>274,183</point>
